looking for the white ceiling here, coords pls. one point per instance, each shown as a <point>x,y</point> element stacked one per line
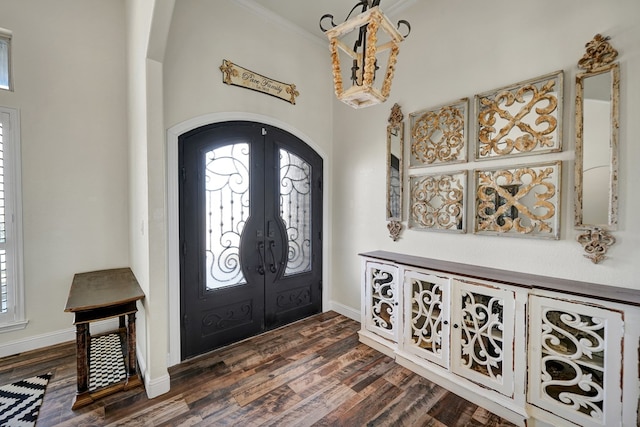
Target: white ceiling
<point>305,14</point>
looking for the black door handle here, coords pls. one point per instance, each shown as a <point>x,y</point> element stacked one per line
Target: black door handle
<point>272,265</point>
<point>260,267</point>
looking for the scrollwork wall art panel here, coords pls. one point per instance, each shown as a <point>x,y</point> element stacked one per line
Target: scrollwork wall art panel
<point>521,119</point>
<point>437,202</point>
<point>520,201</point>
<point>439,135</point>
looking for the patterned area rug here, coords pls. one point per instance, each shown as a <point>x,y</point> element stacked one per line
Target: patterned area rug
<point>20,401</point>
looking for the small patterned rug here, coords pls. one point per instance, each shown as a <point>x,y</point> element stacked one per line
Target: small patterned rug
<point>20,401</point>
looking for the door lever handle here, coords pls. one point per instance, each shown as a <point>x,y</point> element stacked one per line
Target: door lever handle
<point>272,265</point>
<point>260,267</point>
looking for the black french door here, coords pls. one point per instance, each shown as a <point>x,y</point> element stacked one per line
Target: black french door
<point>250,233</point>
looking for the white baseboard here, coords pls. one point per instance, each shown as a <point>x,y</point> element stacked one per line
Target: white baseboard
<point>157,386</point>
<point>345,310</point>
<point>52,338</point>
<point>142,363</point>
<point>37,341</point>
<point>154,387</point>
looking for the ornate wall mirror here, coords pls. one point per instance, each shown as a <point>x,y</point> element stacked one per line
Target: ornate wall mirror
<point>596,164</point>
<point>395,148</point>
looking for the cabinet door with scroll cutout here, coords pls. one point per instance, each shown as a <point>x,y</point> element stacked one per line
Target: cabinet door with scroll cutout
<point>381,293</point>
<point>426,308</point>
<point>575,361</point>
<point>482,337</point>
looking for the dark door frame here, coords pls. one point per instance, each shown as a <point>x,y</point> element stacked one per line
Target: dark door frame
<point>172,174</point>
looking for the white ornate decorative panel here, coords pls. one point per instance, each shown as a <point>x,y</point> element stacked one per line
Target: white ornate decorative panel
<point>381,294</point>
<point>483,333</point>
<point>576,361</point>
<point>426,308</point>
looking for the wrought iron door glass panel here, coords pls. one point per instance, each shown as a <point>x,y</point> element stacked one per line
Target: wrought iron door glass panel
<point>295,210</point>
<point>576,360</point>
<point>439,135</point>
<point>227,209</point>
<point>520,201</point>
<point>427,305</point>
<point>521,119</point>
<point>437,202</point>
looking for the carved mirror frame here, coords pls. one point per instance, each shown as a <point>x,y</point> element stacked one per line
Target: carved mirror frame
<point>395,176</point>
<point>598,61</point>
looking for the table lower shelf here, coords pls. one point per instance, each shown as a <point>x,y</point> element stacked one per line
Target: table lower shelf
<point>107,369</point>
<point>106,361</point>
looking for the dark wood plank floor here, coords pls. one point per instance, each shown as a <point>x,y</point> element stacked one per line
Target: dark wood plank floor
<point>311,373</point>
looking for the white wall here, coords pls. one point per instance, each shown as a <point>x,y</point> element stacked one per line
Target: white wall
<point>203,33</point>
<point>147,26</point>
<point>70,88</point>
<point>458,49</point>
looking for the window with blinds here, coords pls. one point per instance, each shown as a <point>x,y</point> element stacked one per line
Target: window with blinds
<point>3,234</point>
<point>12,304</point>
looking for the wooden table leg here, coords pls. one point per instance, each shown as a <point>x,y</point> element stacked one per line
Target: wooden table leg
<point>82,361</point>
<point>131,345</point>
<point>132,372</point>
<point>82,356</point>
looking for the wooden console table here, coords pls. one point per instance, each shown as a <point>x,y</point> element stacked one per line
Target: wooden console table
<point>100,295</point>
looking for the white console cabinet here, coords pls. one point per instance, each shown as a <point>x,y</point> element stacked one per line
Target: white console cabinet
<point>537,351</point>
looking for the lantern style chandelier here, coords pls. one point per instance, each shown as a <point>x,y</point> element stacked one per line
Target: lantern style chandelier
<point>375,46</point>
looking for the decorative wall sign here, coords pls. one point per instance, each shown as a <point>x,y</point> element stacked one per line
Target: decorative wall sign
<point>519,201</point>
<point>235,75</point>
<point>437,202</point>
<point>439,135</point>
<point>522,119</point>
